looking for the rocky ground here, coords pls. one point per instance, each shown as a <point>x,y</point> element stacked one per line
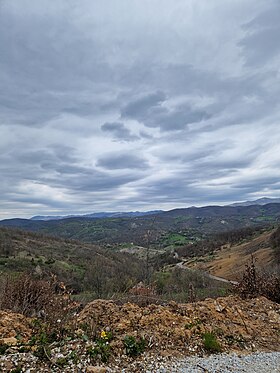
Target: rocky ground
<point>107,337</point>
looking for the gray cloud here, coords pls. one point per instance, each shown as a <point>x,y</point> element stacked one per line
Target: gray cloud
<point>119,131</point>
<point>154,107</point>
<point>122,161</point>
<point>141,107</point>
<point>261,42</point>
<point>150,111</point>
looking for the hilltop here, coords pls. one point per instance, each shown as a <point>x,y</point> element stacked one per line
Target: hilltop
<point>259,201</point>
<point>123,214</point>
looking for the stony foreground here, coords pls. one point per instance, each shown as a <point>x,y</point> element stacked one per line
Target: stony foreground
<point>174,338</point>
<point>258,362</point>
<point>262,362</point>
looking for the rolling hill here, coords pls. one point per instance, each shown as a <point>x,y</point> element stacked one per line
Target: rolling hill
<point>190,223</point>
<point>84,267</point>
<point>229,261</point>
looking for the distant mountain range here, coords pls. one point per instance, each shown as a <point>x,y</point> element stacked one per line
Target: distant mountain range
<point>135,214</point>
<point>99,215</point>
<point>189,224</point>
<point>261,201</point>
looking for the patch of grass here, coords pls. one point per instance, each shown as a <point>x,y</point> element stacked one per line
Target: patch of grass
<point>210,343</point>
<point>74,357</point>
<point>176,238</point>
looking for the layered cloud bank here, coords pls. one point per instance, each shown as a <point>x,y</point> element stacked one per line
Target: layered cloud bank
<point>125,105</point>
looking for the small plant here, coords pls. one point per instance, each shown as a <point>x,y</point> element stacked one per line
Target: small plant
<point>193,324</point>
<point>249,285</point>
<point>211,343</point>
<point>42,352</point>
<point>74,357</point>
<point>41,340</point>
<point>101,349</point>
<point>61,362</point>
<point>134,346</point>
<point>90,329</point>
<point>3,348</point>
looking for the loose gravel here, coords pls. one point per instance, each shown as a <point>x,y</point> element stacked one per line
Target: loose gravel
<point>261,362</point>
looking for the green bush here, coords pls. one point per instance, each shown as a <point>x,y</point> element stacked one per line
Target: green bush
<point>134,346</point>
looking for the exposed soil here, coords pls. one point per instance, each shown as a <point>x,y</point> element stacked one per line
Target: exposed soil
<point>238,324</point>
<point>14,325</point>
<point>174,330</point>
<point>229,262</point>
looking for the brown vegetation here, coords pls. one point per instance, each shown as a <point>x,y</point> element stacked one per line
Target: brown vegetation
<point>275,243</point>
<point>255,283</point>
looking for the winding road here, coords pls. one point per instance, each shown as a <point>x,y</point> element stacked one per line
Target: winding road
<point>182,266</point>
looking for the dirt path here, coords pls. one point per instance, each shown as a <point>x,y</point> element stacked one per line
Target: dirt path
<point>221,279</point>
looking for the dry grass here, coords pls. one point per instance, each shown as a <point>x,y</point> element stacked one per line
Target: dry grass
<point>229,262</point>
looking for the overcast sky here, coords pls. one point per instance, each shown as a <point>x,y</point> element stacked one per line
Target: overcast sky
<point>120,105</point>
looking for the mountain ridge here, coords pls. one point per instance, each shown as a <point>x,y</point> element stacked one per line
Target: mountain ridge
<point>190,223</point>
<point>121,214</point>
<point>97,215</point>
<point>260,201</point>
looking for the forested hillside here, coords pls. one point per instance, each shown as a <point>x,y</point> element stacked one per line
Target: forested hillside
<point>179,226</point>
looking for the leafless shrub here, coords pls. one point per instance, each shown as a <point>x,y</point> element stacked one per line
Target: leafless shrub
<point>275,243</point>
<point>255,283</point>
<point>25,295</point>
<point>192,293</point>
<point>34,297</point>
